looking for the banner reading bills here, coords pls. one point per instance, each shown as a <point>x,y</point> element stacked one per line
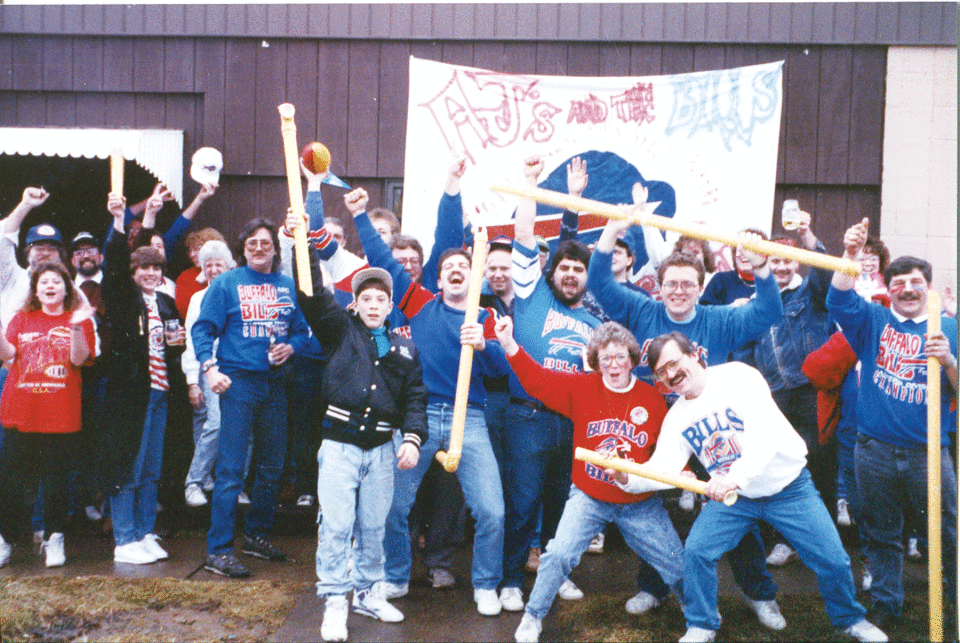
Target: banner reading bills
<point>704,144</point>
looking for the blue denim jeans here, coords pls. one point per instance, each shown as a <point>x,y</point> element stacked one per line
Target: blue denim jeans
<point>134,508</point>
<point>355,489</point>
<point>206,435</point>
<point>645,526</point>
<point>254,405</point>
<point>495,414</point>
<point>799,514</point>
<point>890,479</point>
<point>480,481</point>
<point>539,451</point>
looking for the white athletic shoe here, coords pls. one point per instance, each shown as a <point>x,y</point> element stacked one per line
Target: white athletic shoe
<point>243,498</point>
<point>912,550</point>
<point>5,550</point>
<point>39,537</point>
<point>768,612</point>
<point>441,578</point>
<point>569,592</point>
<point>512,599</point>
<point>867,581</point>
<point>596,545</point>
<point>335,612</point>
<point>487,602</point>
<point>370,602</point>
<point>866,632</point>
<point>698,635</point>
<point>641,603</point>
<point>843,513</point>
<point>195,496</point>
<point>390,590</point>
<point>687,500</point>
<point>306,500</point>
<point>781,555</point>
<point>54,549</point>
<point>149,543</point>
<point>529,630</point>
<point>93,514</point>
<point>133,553</point>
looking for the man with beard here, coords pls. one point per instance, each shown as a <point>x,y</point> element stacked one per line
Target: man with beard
<point>554,328</point>
<point>716,331</point>
<point>890,455</point>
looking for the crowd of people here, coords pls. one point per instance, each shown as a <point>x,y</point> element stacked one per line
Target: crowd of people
<point>758,380</point>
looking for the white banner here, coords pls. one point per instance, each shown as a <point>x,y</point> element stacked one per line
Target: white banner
<point>704,144</point>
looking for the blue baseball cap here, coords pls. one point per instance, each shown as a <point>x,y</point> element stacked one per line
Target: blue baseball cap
<point>44,233</point>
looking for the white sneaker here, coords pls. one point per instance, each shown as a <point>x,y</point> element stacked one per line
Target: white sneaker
<point>370,602</point>
<point>698,635</point>
<point>38,537</point>
<point>687,500</point>
<point>768,612</point>
<point>195,496</point>
<point>867,632</point>
<point>843,513</point>
<point>390,590</point>
<point>306,500</point>
<point>243,498</point>
<point>54,548</point>
<point>512,599</point>
<point>780,555</point>
<point>641,603</point>
<point>529,629</point>
<point>596,545</point>
<point>133,553</point>
<point>867,581</point>
<point>149,543</point>
<point>440,578</point>
<point>335,612</point>
<point>5,550</point>
<point>93,514</point>
<point>569,592</point>
<point>487,602</point>
<point>912,550</point>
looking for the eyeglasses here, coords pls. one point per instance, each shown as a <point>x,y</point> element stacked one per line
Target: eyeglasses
<point>253,244</point>
<point>86,252</point>
<point>608,360</point>
<point>408,261</point>
<point>685,286</point>
<point>661,373</point>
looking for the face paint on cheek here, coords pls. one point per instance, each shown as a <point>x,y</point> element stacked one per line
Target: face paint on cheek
<point>896,289</point>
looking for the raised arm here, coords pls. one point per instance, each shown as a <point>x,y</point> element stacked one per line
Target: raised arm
<point>526,217</point>
<point>32,198</point>
<point>853,240</point>
<point>577,179</point>
<point>449,232</point>
<point>378,253</point>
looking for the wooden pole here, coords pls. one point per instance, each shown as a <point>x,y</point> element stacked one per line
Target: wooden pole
<point>579,204</point>
<point>451,459</point>
<point>288,129</point>
<point>116,173</point>
<point>934,566</point>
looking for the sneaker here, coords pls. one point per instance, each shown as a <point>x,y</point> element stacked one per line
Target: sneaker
<point>698,635</point>
<point>867,581</point>
<point>335,612</point>
<point>843,513</point>
<point>768,613</point>
<point>533,560</point>
<point>195,496</point>
<point>687,500</point>
<point>243,498</point>
<point>641,603</point>
<point>511,598</point>
<point>391,590</point>
<point>133,554</point>
<point>912,550</point>
<point>228,565</point>
<point>208,484</point>
<point>867,632</point>
<point>306,500</point>
<point>780,555</point>
<point>261,548</point>
<point>569,592</point>
<point>596,545</point>
<point>54,548</point>
<point>487,602</point>
<point>440,578</point>
<point>149,543</point>
<point>38,537</point>
<point>93,514</point>
<point>370,602</point>
<point>5,550</point>
<point>529,630</point>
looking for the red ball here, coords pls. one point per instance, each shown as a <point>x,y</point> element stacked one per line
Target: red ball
<point>316,157</point>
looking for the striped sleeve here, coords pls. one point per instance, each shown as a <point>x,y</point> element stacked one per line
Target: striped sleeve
<point>525,270</point>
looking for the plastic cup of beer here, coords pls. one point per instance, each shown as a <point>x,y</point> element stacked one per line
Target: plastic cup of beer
<point>171,330</point>
<point>791,214</point>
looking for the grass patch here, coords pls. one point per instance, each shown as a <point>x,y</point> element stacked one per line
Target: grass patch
<point>602,618</point>
<point>96,608</point>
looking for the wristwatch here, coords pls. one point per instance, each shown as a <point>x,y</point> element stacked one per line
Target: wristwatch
<point>207,365</point>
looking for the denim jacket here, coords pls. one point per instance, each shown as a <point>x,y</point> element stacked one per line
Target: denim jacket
<point>804,327</point>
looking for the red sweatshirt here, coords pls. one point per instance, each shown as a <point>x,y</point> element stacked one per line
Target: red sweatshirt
<point>628,421</point>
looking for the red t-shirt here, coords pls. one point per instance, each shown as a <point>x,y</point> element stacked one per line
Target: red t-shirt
<point>627,421</point>
<point>42,392</point>
<point>187,286</point>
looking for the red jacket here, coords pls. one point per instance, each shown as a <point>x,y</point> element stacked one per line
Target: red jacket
<point>827,367</point>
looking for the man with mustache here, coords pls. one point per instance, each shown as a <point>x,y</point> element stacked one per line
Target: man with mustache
<point>716,331</point>
<point>554,328</point>
<point>890,455</point>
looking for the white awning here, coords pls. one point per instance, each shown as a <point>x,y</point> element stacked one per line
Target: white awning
<point>160,152</point>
